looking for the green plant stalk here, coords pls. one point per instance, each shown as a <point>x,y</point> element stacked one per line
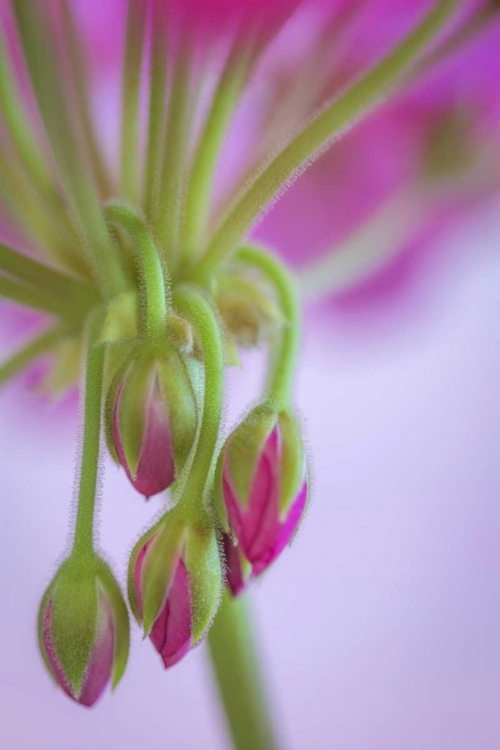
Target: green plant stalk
<point>35,36</point>
<point>202,172</point>
<point>46,279</point>
<point>168,216</point>
<point>83,543</point>
<point>81,100</point>
<point>156,123</point>
<point>155,286</point>
<point>17,122</point>
<point>284,358</point>
<point>198,310</point>
<point>235,663</point>
<point>37,299</point>
<point>30,352</point>
<point>134,42</point>
<point>330,123</point>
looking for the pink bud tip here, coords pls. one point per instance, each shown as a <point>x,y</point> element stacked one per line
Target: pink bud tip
<point>100,666</point>
<point>171,633</point>
<point>261,529</point>
<point>155,470</point>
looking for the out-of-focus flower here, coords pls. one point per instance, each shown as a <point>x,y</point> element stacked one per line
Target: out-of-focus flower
<point>83,630</point>
<point>175,582</point>
<point>262,484</point>
<point>141,258</point>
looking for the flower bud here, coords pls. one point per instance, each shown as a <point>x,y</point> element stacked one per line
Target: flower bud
<point>261,484</point>
<point>175,583</point>
<point>151,420</point>
<point>238,569</point>
<point>83,630</point>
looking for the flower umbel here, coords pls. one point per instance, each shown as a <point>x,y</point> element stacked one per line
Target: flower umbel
<point>148,269</point>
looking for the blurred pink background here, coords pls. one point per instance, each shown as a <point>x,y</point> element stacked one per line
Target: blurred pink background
<point>380,628</point>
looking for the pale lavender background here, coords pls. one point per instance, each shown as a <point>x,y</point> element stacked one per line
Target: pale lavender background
<point>380,629</point>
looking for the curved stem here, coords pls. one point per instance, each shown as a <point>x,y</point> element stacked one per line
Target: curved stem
<point>199,311</point>
<point>205,160</point>
<point>84,530</point>
<point>284,360</point>
<point>330,123</point>
<point>30,352</point>
<point>155,285</point>
<point>235,664</point>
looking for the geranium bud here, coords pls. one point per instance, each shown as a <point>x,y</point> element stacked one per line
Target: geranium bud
<point>261,484</point>
<point>151,420</point>
<point>83,630</point>
<point>175,582</point>
<point>238,569</point>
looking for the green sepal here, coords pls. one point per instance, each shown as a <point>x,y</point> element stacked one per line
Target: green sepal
<point>135,395</point>
<point>122,361</point>
<point>203,564</point>
<point>292,469</point>
<point>75,606</point>
<point>244,447</point>
<point>132,600</point>
<point>159,568</point>
<point>218,494</point>
<point>121,621</point>
<point>180,402</point>
<point>121,322</point>
<point>40,628</point>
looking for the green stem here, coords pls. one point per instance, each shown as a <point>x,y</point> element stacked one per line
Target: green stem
<point>81,102</point>
<point>30,352</point>
<point>84,529</point>
<point>155,284</point>
<point>284,360</point>
<point>330,123</point>
<point>17,122</point>
<point>45,279</point>
<point>46,77</point>
<point>193,303</point>
<point>136,24</point>
<point>156,124</point>
<point>202,172</point>
<point>235,664</point>
<point>37,299</point>
<point>169,209</point>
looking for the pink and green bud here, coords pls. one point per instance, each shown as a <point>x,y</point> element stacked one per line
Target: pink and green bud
<point>83,630</point>
<point>238,569</point>
<point>151,420</point>
<point>261,484</point>
<point>175,583</point>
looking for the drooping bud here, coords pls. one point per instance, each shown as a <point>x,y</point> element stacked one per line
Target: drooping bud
<point>261,484</point>
<point>83,630</point>
<point>238,569</point>
<point>175,582</point>
<point>151,420</point>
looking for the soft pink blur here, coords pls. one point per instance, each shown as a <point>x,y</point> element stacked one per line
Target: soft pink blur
<point>380,628</point>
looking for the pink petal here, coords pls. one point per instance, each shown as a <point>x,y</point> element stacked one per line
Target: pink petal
<point>101,662</point>
<point>171,633</point>
<point>156,466</point>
